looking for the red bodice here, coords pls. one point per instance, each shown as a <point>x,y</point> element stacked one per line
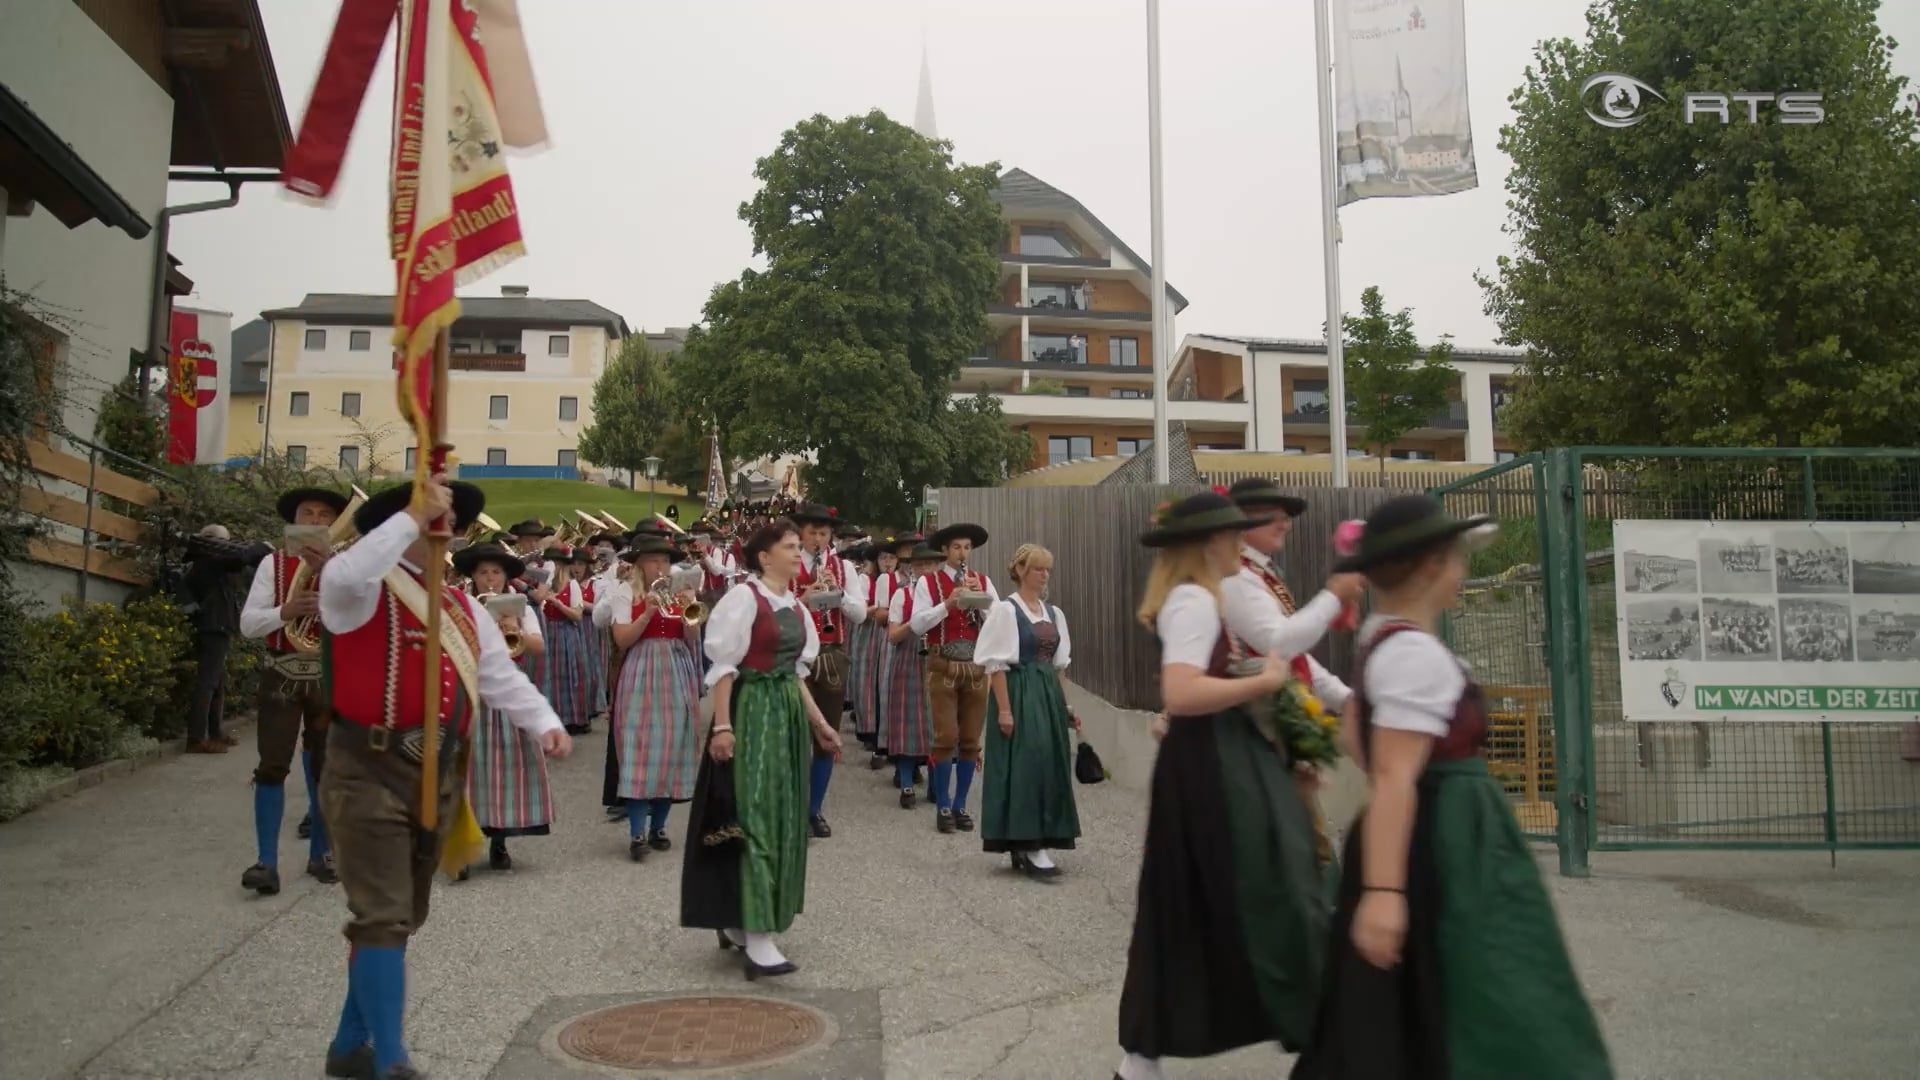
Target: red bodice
<point>958,625</point>
<point>375,672</point>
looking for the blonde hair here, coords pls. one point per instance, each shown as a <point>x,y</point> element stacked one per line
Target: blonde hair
<point>1023,557</point>
<point>1176,565</point>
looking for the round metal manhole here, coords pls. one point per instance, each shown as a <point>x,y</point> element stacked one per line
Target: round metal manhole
<point>694,1033</point>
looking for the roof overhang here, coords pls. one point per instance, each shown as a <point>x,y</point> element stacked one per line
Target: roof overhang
<point>37,166</point>
<point>228,112</point>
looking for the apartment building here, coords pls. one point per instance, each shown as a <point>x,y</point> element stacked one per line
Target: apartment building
<point>247,389</point>
<point>520,387</point>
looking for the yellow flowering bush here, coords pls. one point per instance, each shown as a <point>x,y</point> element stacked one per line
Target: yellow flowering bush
<point>87,673</point>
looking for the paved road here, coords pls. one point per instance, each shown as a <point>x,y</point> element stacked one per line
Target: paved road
<point>128,949</point>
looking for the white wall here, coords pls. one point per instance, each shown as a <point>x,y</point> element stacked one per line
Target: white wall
<point>1267,403</point>
<point>121,122</point>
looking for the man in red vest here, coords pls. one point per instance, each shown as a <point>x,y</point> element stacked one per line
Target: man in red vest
<point>823,571</point>
<point>373,606</point>
<point>957,687</point>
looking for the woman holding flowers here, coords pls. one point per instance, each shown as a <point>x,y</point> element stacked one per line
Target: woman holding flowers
<point>1027,807</point>
<point>1230,926</point>
<point>1447,959</point>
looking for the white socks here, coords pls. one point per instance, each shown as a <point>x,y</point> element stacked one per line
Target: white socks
<point>761,950</point>
<point>1040,859</point>
<point>1136,1067</point>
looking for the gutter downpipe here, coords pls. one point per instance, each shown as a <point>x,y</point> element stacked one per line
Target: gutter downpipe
<point>157,331</point>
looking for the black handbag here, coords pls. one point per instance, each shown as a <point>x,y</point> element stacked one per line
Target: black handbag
<point>1087,766</point>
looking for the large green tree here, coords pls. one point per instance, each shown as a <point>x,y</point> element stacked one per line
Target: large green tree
<point>631,409</point>
<point>1746,283</point>
<point>882,255</point>
<point>1393,385</point>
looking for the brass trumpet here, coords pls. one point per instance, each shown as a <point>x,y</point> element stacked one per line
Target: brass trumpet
<point>505,609</point>
<point>678,580</point>
<point>303,634</point>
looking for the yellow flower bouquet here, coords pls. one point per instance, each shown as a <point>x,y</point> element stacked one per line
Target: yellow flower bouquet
<point>1305,726</point>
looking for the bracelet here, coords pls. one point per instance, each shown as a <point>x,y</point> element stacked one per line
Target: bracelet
<point>1383,888</point>
<point>728,730</point>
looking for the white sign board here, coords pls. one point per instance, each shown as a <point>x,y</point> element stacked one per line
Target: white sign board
<point>1768,620</point>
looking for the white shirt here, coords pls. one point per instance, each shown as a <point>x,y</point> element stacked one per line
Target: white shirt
<point>897,606</point>
<point>999,644</point>
<point>350,595</point>
<point>1189,627</point>
<point>608,598</point>
<point>1413,680</point>
<point>730,629</point>
<point>853,586</point>
<point>881,595</point>
<point>718,563</point>
<point>260,615</point>
<point>1256,618</point>
<point>926,613</point>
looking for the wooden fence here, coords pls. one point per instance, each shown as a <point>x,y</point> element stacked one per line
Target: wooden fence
<point>1099,566</point>
<point>89,480</point>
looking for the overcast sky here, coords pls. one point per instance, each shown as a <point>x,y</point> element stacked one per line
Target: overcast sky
<point>659,108</point>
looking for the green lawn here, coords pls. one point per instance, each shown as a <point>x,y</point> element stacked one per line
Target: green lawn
<point>509,501</point>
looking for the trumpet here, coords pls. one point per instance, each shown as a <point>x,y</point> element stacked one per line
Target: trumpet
<point>970,594</point>
<point>826,592</point>
<point>680,579</point>
<point>303,634</point>
<point>506,608</point>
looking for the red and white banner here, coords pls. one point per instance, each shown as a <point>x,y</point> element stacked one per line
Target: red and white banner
<point>200,345</point>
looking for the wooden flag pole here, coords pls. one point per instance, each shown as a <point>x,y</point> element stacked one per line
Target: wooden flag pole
<point>438,534</point>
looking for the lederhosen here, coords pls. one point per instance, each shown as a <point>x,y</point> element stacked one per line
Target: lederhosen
<point>291,707</point>
<point>957,688</point>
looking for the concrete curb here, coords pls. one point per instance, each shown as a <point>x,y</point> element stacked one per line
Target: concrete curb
<point>95,775</point>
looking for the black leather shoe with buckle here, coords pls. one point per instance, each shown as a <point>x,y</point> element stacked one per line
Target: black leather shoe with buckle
<point>963,821</point>
<point>322,871</point>
<point>821,830</point>
<point>261,878</point>
<point>355,1064</point>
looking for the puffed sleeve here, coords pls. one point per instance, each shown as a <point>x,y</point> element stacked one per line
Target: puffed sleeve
<point>804,665</point>
<point>1062,656</point>
<point>1189,626</point>
<point>730,632</point>
<point>897,606</point>
<point>853,598</point>
<point>529,622</point>
<point>998,647</point>
<point>1413,683</point>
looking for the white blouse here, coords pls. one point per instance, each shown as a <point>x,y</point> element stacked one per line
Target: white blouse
<point>1189,627</point>
<point>609,599</point>
<point>730,629</point>
<point>897,606</point>
<point>999,646</point>
<point>1413,680</point>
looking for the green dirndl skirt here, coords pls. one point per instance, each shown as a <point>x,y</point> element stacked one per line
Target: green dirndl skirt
<point>1027,802</point>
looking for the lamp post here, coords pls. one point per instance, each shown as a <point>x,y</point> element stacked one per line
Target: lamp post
<point>653,473</point>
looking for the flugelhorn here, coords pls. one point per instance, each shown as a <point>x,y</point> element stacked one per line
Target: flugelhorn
<point>675,581</point>
<point>614,521</point>
<point>303,634</point>
<point>505,609</point>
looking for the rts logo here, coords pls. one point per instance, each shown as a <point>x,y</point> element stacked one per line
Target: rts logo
<point>1620,101</point>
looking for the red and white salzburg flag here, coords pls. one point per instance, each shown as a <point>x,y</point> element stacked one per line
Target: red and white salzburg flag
<point>198,348</point>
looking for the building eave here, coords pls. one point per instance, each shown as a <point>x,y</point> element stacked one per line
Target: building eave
<point>37,166</point>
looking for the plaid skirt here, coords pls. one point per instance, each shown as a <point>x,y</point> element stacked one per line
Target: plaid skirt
<point>863,677</point>
<point>598,641</point>
<point>507,779</point>
<point>904,711</point>
<point>566,678</point>
<point>654,719</point>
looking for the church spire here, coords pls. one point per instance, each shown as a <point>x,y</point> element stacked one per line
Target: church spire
<point>923,121</point>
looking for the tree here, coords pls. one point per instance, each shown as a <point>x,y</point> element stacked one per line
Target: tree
<point>1745,283</point>
<point>1393,386</point>
<point>630,409</point>
<point>128,425</point>
<point>683,452</point>
<point>882,255</point>
<point>982,450</point>
<point>373,442</point>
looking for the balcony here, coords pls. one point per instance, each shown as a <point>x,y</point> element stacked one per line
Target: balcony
<point>492,362</point>
<point>1028,408</point>
<point>1059,363</point>
<point>1062,315</point>
<point>1313,415</point>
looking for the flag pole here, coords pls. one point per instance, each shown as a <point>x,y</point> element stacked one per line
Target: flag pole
<point>1330,247</point>
<point>1161,321</point>
<point>438,533</point>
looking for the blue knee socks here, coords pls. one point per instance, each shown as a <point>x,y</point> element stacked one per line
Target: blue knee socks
<point>352,1033</point>
<point>269,806</point>
<point>660,809</point>
<point>317,845</point>
<point>819,778</point>
<point>378,979</point>
<point>903,774</point>
<point>637,818</point>
<point>943,785</point>
<point>963,783</point>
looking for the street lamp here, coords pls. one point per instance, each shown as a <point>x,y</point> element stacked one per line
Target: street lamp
<point>653,473</point>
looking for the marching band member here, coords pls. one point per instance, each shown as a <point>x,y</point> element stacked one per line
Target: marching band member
<point>822,570</point>
<point>904,707</point>
<point>507,786</point>
<point>890,567</point>
<point>1027,806</point>
<point>863,654</point>
<point>956,687</point>
<point>566,666</point>
<point>602,550</point>
<point>656,701</point>
<point>1436,868</point>
<point>373,607</point>
<point>745,874</point>
<point>290,705</point>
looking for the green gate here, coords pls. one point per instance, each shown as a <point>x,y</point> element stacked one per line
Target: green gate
<point>1537,620</point>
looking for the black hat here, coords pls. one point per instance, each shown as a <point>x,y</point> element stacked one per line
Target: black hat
<point>961,531</point>
<point>613,538</point>
<point>648,545</point>
<point>924,552</point>
<point>468,558</point>
<point>1258,492</point>
<point>468,501</point>
<point>703,527</point>
<point>502,538</point>
<point>1196,517</point>
<point>908,541</point>
<point>531,527</point>
<point>847,530</point>
<point>814,514</point>
<point>859,552</point>
<point>1407,525</point>
<point>649,530</point>
<point>558,553</point>
<point>290,502</point>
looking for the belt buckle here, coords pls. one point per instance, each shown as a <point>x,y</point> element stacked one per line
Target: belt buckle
<point>378,739</point>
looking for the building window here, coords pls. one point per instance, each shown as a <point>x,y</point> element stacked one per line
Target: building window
<point>1412,455</point>
<point>507,348</point>
<point>460,348</point>
<point>316,340</point>
<point>497,407</point>
<point>569,408</point>
<point>297,403</point>
<point>1502,394</point>
<point>297,456</point>
<point>1126,394</point>
<point>1053,294</point>
<point>1064,448</point>
<point>557,345</point>
<point>350,404</point>
<point>1501,456</point>
<point>1057,349</point>
<point>259,414</point>
<point>1310,397</point>
<point>1132,446</point>
<point>1056,243</point>
<point>1079,391</point>
<point>359,341</point>
<point>496,455</point>
<point>570,459</point>
<point>1123,351</point>
<point>412,458</point>
<point>1293,450</point>
<point>350,457</point>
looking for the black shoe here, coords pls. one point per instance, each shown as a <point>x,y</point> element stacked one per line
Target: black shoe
<point>465,873</point>
<point>322,871</point>
<point>616,812</point>
<point>498,859</point>
<point>821,830</point>
<point>304,830</point>
<point>657,840</point>
<point>876,762</point>
<point>725,941</point>
<point>963,821</point>
<point>944,821</point>
<point>1024,865</point>
<point>355,1064</point>
<point>637,849</point>
<point>405,1071</point>
<point>261,878</point>
<point>767,971</point>
<point>906,798</point>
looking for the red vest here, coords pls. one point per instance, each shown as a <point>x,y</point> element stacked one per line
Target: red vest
<point>763,646</point>
<point>666,623</point>
<point>587,592</point>
<point>375,675</point>
<point>284,567</point>
<point>827,622</point>
<point>557,600</point>
<point>958,625</point>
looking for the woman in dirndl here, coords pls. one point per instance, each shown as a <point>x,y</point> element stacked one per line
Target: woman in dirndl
<point>862,684</point>
<point>1027,806</point>
<point>889,571</point>
<point>655,701</point>
<point>1447,960</point>
<point>566,659</point>
<point>904,709</point>
<point>507,784</point>
<point>1231,920</point>
<point>745,875</point>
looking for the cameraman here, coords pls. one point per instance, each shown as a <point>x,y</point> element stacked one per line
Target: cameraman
<point>210,595</point>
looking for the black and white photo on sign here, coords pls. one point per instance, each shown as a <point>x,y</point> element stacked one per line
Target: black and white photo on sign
<point>1663,629</point>
<point>1809,560</point>
<point>1740,630</point>
<point>1886,561</point>
<point>1815,630</point>
<point>1655,565</point>
<point>1887,628</point>
<point>1736,563</point>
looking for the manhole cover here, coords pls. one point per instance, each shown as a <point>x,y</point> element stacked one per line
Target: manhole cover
<point>693,1033</point>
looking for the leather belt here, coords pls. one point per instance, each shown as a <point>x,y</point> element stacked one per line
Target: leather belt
<point>408,743</point>
<point>297,667</point>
